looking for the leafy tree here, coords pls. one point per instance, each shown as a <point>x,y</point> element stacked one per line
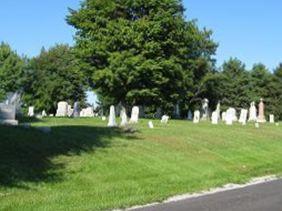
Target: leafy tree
<point>54,76</point>
<point>141,52</point>
<point>234,86</point>
<point>11,70</point>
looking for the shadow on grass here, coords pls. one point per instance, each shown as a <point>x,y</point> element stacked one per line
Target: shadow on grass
<point>25,154</point>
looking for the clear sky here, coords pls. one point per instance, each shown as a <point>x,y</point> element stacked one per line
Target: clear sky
<point>248,29</point>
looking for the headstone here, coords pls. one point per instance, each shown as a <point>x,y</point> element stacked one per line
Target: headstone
<point>257,125</point>
<point>8,114</point>
<point>196,118</point>
<point>51,115</point>
<point>150,124</point>
<point>164,119</point>
<point>190,115</point>
<point>215,118</point>
<point>218,110</point>
<point>112,117</point>
<point>252,113</point>
<point>76,110</point>
<point>134,115</point>
<point>70,111</point>
<point>176,111</point>
<point>87,112</point>
<point>62,110</point>
<point>271,118</point>
<point>44,114</point>
<point>30,111</point>
<point>223,116</point>
<point>104,118</point>
<point>205,108</point>
<point>158,114</point>
<point>243,116</point>
<point>229,118</point>
<point>261,117</point>
<point>123,117</point>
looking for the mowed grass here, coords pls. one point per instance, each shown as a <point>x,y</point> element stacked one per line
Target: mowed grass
<point>83,165</point>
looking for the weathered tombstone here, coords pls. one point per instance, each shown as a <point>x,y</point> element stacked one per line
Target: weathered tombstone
<point>76,110</point>
<point>104,118</point>
<point>134,115</point>
<point>62,110</point>
<point>271,118</point>
<point>164,119</point>
<point>112,117</point>
<point>205,108</point>
<point>252,113</point>
<point>229,118</point>
<point>218,110</point>
<point>190,115</point>
<point>150,124</point>
<point>51,115</point>
<point>70,111</point>
<point>30,111</point>
<point>158,114</point>
<point>223,116</point>
<point>196,118</point>
<point>243,116</point>
<point>215,118</point>
<point>176,111</point>
<point>8,114</point>
<point>43,114</point>
<point>261,117</point>
<point>123,117</point>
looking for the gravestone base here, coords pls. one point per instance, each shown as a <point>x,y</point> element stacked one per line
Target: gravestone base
<point>9,122</point>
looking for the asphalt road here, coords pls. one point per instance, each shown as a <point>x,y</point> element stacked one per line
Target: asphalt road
<point>260,197</point>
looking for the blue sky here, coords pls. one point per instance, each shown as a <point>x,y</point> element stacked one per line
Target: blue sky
<point>247,29</point>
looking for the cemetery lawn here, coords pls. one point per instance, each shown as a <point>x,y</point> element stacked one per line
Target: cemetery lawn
<point>83,165</point>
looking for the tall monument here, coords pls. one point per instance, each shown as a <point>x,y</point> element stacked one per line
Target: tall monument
<point>261,116</point>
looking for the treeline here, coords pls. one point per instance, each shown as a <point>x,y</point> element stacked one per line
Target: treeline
<point>142,53</point>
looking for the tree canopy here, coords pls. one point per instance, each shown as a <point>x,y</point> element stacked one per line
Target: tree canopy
<point>141,52</point>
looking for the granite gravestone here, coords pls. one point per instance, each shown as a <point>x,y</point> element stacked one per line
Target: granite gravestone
<point>112,117</point>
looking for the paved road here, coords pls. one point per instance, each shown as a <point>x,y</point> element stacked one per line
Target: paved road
<point>261,197</point>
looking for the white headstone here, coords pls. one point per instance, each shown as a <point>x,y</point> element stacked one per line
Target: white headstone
<point>215,118</point>
<point>150,124</point>
<point>257,125</point>
<point>223,116</point>
<point>123,117</point>
<point>62,109</point>
<point>104,118</point>
<point>44,114</point>
<point>134,115</point>
<point>229,118</point>
<point>243,116</point>
<point>30,111</point>
<point>112,117</point>
<point>253,112</point>
<point>271,118</point>
<point>196,118</point>
<point>164,119</point>
<point>87,112</point>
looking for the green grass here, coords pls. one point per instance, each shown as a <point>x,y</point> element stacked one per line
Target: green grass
<point>83,165</point>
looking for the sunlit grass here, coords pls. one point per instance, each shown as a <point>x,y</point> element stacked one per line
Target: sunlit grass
<point>82,165</point>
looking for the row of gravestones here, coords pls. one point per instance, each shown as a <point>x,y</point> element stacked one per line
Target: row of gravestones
<point>230,115</point>
<point>133,119</point>
<point>66,110</point>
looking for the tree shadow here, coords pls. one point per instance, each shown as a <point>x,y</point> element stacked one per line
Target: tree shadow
<point>26,154</point>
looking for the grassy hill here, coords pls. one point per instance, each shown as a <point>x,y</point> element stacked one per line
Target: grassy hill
<point>83,165</point>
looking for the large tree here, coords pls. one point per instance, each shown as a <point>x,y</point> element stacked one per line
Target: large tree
<point>53,76</point>
<point>141,52</point>
<point>11,70</point>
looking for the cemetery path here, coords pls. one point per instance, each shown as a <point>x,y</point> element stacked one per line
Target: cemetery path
<point>260,197</point>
